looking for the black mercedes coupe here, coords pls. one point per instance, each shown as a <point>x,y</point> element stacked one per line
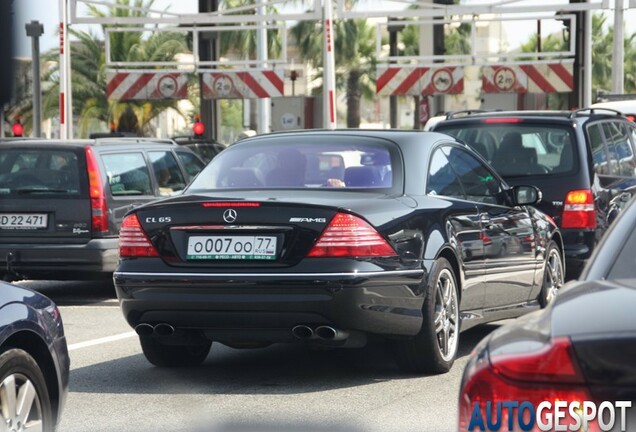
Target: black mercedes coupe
<point>331,237</point>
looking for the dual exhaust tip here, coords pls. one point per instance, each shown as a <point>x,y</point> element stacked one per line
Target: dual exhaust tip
<point>327,333</point>
<point>161,329</point>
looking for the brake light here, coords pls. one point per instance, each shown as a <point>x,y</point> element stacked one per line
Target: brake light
<point>99,210</point>
<point>349,236</point>
<point>231,204</point>
<point>578,210</point>
<point>549,374</point>
<point>495,120</point>
<point>133,241</point>
<point>631,118</point>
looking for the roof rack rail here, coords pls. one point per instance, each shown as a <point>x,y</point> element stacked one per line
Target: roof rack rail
<point>591,111</point>
<point>129,139</point>
<point>453,114</point>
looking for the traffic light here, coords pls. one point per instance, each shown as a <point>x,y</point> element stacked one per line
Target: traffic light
<point>17,128</point>
<point>198,128</point>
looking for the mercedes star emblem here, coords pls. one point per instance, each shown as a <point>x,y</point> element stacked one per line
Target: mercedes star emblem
<point>229,215</point>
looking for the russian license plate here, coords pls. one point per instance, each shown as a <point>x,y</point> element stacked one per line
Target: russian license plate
<point>231,248</point>
<point>23,220</point>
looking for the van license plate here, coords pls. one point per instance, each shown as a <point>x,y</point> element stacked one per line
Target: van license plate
<point>10,221</point>
<point>231,248</point>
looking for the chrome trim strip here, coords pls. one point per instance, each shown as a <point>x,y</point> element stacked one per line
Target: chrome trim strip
<point>224,227</point>
<point>284,275</point>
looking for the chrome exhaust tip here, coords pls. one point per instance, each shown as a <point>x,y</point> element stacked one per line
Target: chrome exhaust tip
<point>164,329</point>
<point>302,332</point>
<point>331,334</point>
<point>144,329</point>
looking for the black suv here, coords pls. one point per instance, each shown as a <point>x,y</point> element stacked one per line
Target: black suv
<point>62,202</point>
<point>580,160</point>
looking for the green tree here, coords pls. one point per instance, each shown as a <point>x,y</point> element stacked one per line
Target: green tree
<point>88,73</point>
<point>354,48</point>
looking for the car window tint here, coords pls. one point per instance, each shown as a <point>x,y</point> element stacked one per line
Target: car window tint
<point>619,149</point>
<point>39,171</point>
<point>442,180</point>
<point>477,181</point>
<point>597,145</point>
<point>169,177</point>
<point>192,164</point>
<point>347,163</point>
<point>519,149</point>
<point>127,174</point>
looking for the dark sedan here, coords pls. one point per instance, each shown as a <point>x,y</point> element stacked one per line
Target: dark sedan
<point>34,361</point>
<point>581,348</point>
<point>328,237</point>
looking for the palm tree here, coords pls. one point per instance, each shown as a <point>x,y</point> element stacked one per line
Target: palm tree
<point>88,74</point>
<point>354,49</point>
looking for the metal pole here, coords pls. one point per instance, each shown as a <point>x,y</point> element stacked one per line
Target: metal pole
<point>393,100</point>
<point>329,69</point>
<point>587,58</point>
<point>618,54</point>
<point>63,68</point>
<point>34,30</point>
<point>263,125</point>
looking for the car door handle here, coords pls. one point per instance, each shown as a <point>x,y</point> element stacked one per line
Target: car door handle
<point>485,219</point>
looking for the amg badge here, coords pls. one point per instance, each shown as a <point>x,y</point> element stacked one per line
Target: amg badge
<point>302,219</point>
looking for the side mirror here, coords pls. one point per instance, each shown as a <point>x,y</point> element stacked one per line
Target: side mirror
<point>526,195</point>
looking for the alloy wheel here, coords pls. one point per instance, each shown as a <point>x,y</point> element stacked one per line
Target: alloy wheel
<point>554,275</point>
<point>446,315</point>
<point>20,404</point>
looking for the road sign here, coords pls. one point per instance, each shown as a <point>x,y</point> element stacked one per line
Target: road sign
<point>505,79</point>
<point>167,86</point>
<point>442,80</point>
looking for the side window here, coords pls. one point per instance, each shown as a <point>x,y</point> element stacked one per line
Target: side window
<point>127,174</point>
<point>620,150</point>
<point>192,164</point>
<point>167,172</point>
<point>442,180</point>
<point>477,180</point>
<point>599,156</point>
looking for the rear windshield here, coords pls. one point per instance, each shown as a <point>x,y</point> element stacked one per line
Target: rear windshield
<point>519,149</point>
<point>39,172</point>
<point>341,162</point>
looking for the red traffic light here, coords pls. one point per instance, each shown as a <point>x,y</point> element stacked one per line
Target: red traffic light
<point>198,128</point>
<point>17,129</point>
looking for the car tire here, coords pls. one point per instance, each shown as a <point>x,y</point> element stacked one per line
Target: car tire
<point>20,375</point>
<point>164,355</point>
<point>553,275</point>
<point>434,348</point>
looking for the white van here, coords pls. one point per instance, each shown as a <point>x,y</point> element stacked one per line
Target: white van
<point>627,107</point>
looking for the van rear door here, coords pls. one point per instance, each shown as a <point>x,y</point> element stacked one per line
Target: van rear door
<point>44,194</point>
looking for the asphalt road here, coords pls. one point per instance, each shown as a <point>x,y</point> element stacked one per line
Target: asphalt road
<point>282,388</point>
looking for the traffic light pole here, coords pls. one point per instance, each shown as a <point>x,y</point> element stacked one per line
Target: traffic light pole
<point>208,51</point>
<point>34,30</point>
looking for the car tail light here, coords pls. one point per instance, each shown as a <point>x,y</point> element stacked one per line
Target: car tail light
<point>99,210</point>
<point>578,210</point>
<point>631,118</point>
<point>550,374</point>
<point>349,236</point>
<point>133,241</point>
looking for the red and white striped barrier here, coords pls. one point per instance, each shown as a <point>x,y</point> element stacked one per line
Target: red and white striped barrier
<point>255,84</point>
<point>418,80</point>
<point>540,78</point>
<point>146,85</point>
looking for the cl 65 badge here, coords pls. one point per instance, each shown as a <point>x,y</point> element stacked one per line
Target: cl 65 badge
<point>161,219</point>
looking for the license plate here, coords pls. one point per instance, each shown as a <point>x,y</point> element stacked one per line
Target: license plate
<point>231,248</point>
<point>23,221</point>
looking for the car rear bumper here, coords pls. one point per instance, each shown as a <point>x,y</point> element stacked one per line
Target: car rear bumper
<point>388,303</point>
<point>578,245</point>
<point>75,261</point>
